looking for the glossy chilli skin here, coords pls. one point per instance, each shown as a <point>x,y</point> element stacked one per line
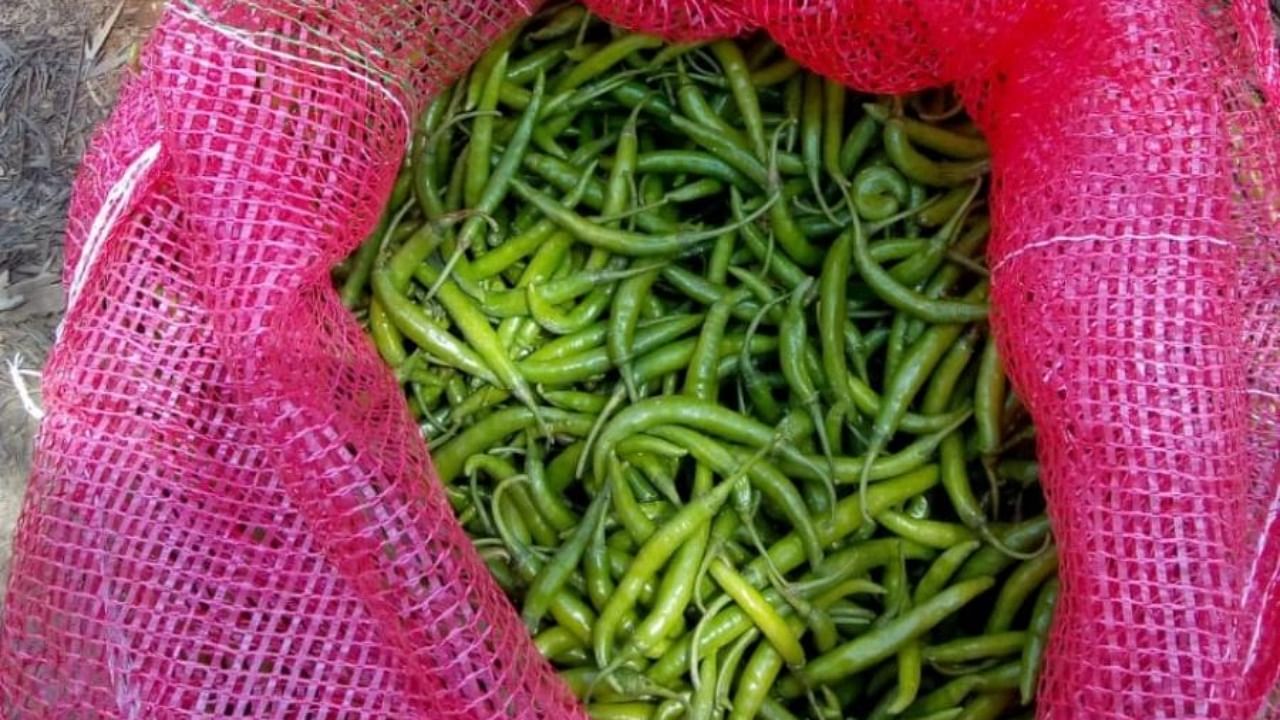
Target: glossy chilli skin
<point>698,341</point>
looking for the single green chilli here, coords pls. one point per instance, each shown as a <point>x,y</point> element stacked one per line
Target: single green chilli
<point>876,645</point>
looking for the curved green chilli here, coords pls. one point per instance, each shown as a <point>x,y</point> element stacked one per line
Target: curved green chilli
<point>775,73</point>
<point>879,192</point>
<point>776,487</point>
<point>677,586</point>
<point>1024,537</point>
<point>942,384</point>
<point>989,705</point>
<point>833,104</point>
<point>1021,583</point>
<point>833,287</point>
<point>426,333</point>
<point>620,242</point>
<point>1037,639</point>
<point>595,568</point>
<point>916,166</point>
<point>910,671</point>
<point>704,696</point>
<point>788,553</point>
<point>777,264</point>
<point>942,570</point>
<point>694,104</point>
<point>944,209</point>
<point>988,400</point>
<point>738,76</point>
<point>1002,677</point>
<point>496,184</point>
<point>939,139</point>
<point>955,481</point>
<point>857,142</point>
<point>705,415</point>
<point>869,403</point>
<point>386,335</point>
<point>904,298</point>
<point>478,151</point>
<point>812,135</point>
<point>729,665</point>
<point>876,645</point>
<point>605,58</point>
<point>553,574</point>
<point>623,319</point>
<point>480,335</point>
<point>549,504</point>
<point>678,583</point>
<point>691,162</point>
<point>537,61</point>
<point>980,647</point>
<point>559,645</point>
<point>700,380</point>
<point>758,678</point>
<point>915,270</point>
<point>581,366</point>
<point>793,339</point>
<point>732,623</point>
<point>930,533</point>
<point>491,430</point>
<point>626,508</point>
<point>775,629</point>
<point>903,386</point>
<point>655,552</point>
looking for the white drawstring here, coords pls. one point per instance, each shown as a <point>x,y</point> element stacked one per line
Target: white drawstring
<point>113,208</point>
<point>1105,240</point>
<point>17,375</point>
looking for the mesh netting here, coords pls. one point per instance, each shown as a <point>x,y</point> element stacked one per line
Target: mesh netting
<point>676,20</point>
<point>227,514</point>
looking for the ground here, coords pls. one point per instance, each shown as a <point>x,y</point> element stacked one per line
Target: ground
<point>60,63</point>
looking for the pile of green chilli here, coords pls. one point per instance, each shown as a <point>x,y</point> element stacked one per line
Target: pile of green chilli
<point>698,342</point>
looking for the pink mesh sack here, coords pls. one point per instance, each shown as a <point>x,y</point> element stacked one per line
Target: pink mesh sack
<point>227,514</point>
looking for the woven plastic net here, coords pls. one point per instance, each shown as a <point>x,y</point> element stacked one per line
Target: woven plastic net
<point>228,515</point>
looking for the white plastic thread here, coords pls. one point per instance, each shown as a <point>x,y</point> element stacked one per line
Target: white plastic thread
<point>18,377</point>
<point>113,208</point>
<point>1078,239</point>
